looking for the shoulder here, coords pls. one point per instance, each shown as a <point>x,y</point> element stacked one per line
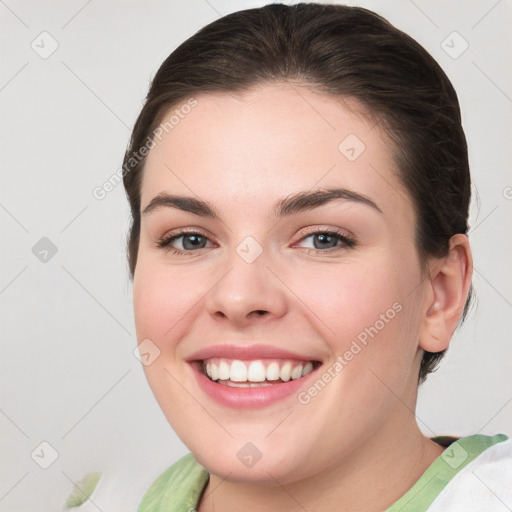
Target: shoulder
<point>485,483</point>
<point>117,488</point>
<point>178,487</point>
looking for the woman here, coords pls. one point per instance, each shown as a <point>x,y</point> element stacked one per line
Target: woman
<point>299,186</point>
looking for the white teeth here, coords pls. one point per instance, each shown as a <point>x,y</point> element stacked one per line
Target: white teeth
<point>244,384</point>
<point>238,371</point>
<point>308,368</point>
<point>256,372</point>
<point>237,384</point>
<point>296,372</point>
<point>273,371</point>
<point>214,369</point>
<point>286,371</point>
<point>223,370</point>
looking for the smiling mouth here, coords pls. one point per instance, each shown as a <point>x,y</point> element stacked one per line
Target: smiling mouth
<point>255,373</point>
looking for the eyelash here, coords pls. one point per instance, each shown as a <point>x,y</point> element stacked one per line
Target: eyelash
<point>347,241</point>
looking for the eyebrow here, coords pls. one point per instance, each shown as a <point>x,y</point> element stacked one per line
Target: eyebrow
<point>299,202</point>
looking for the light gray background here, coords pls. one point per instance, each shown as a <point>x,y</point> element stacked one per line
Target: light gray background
<point>68,373</point>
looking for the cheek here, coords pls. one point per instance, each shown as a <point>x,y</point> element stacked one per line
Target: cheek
<point>163,298</point>
<point>349,299</point>
<point>367,314</point>
<point>162,302</point>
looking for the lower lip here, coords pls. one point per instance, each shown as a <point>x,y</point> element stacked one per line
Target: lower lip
<point>248,397</point>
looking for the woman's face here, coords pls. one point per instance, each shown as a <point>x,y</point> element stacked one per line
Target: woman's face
<point>272,286</point>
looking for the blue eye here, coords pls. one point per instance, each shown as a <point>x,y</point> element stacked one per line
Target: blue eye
<point>326,241</point>
<point>191,242</point>
<point>323,241</point>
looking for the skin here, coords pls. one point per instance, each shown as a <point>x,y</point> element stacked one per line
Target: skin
<point>356,445</point>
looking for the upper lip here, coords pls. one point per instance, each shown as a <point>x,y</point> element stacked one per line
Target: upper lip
<point>246,352</point>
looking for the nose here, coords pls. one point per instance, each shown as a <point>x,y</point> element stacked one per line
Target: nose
<point>247,293</point>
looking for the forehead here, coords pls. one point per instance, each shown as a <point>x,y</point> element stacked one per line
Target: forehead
<point>268,142</point>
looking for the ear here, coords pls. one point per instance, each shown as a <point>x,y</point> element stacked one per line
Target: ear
<point>448,288</point>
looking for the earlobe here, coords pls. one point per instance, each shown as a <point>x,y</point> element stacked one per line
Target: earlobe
<point>449,285</point>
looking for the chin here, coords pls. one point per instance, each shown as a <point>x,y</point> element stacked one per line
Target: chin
<point>243,461</point>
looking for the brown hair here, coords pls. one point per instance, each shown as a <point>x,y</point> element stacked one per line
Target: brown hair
<point>343,51</point>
